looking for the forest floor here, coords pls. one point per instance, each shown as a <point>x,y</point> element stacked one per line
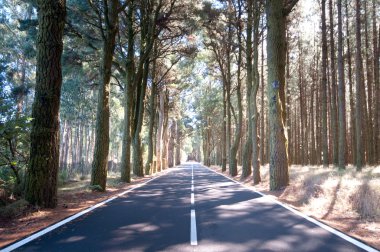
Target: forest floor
<point>345,200</point>
<point>73,197</point>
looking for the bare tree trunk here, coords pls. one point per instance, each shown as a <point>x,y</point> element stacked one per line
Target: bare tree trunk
<point>263,126</point>
<point>139,112</point>
<point>41,181</point>
<point>376,71</point>
<point>278,161</point>
<point>99,164</point>
<point>178,144</point>
<point>256,84</point>
<point>125,167</point>
<point>224,137</point>
<point>358,94</point>
<point>369,71</point>
<point>247,156</point>
<point>152,116</point>
<point>159,144</point>
<point>351,94</point>
<point>341,92</point>
<point>238,132</point>
<point>171,146</point>
<point>334,125</point>
<point>325,159</point>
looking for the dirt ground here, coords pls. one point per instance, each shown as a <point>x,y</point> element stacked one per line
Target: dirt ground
<point>75,196</point>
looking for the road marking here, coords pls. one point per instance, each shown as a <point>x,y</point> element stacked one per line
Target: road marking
<point>193,229</point>
<point>73,217</point>
<point>193,223</point>
<point>316,222</point>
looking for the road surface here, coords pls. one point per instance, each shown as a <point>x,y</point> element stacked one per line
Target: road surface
<point>191,208</point>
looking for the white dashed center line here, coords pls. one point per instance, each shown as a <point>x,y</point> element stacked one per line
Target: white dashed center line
<point>193,223</point>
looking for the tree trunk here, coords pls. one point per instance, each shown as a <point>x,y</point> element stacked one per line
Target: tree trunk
<point>165,138</point>
<point>256,84</point>
<point>128,100</point>
<point>41,181</point>
<point>278,161</point>
<point>178,144</point>
<point>171,146</point>
<point>334,124</point>
<point>247,155</point>
<point>351,94</point>
<point>161,112</point>
<point>99,164</point>
<point>369,71</point>
<point>152,116</point>
<point>325,158</point>
<point>341,92</point>
<point>359,90</point>
<point>238,131</point>
<point>139,112</point>
<point>224,135</point>
<point>262,134</point>
<point>376,71</point>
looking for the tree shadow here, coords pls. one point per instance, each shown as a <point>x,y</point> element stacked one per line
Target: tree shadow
<point>333,201</point>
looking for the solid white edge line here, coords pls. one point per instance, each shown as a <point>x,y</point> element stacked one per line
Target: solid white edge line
<point>310,219</point>
<point>192,199</point>
<point>73,217</point>
<point>193,229</point>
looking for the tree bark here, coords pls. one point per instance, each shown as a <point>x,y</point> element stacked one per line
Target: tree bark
<point>255,88</point>
<point>139,112</point>
<point>41,181</point>
<point>369,113</point>
<point>278,161</point>
<point>100,162</point>
<point>247,154</point>
<point>351,94</point>
<point>341,93</point>
<point>376,71</point>
<point>128,100</point>
<point>152,116</point>
<point>325,159</point>
<point>359,90</point>
<point>224,136</point>
<point>334,119</point>
<point>178,144</point>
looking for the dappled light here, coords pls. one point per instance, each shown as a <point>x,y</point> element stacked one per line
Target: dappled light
<point>189,125</point>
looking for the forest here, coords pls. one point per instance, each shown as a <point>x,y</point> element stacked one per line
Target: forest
<point>258,89</point>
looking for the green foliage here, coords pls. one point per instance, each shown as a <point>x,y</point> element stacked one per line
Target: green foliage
<point>63,177</point>
<point>14,141</point>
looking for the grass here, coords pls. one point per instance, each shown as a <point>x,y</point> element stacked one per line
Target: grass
<point>338,192</point>
<point>325,191</point>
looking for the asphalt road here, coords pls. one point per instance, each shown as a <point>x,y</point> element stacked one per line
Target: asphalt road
<point>157,217</point>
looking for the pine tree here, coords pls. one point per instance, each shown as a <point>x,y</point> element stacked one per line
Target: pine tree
<point>41,182</point>
<point>277,12</point>
<point>341,93</point>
